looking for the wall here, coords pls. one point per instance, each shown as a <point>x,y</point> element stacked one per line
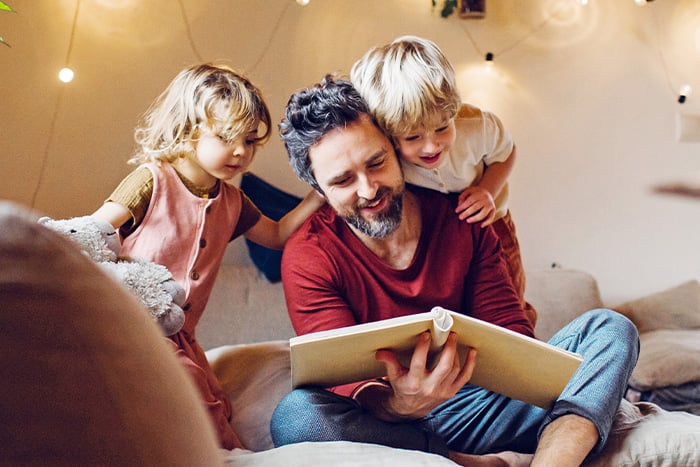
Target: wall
<point>589,93</point>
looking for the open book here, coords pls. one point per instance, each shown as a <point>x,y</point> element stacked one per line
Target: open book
<point>507,362</point>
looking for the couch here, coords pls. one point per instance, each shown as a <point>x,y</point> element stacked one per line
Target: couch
<point>88,379</point>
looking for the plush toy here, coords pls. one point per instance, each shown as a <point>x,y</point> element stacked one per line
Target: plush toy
<point>152,283</point>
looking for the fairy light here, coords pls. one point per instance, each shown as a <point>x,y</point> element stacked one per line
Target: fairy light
<point>303,2</point>
<point>66,75</point>
<point>488,58</point>
<point>684,93</point>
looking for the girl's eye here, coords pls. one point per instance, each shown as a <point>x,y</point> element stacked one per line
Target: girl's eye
<point>441,129</point>
<point>411,138</point>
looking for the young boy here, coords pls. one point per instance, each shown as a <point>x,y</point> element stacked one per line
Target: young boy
<point>445,145</point>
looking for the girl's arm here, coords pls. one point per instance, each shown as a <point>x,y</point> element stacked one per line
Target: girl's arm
<point>274,234</point>
<point>114,213</point>
<point>476,203</point>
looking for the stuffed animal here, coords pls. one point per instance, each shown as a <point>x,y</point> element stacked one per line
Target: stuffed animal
<point>152,283</point>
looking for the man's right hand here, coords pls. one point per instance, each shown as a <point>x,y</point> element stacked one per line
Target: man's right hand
<point>416,390</point>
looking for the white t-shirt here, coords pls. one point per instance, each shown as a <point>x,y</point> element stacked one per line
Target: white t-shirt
<point>480,140</point>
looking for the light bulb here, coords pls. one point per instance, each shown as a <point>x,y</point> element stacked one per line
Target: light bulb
<point>583,2</point>
<point>303,2</point>
<point>684,93</point>
<point>66,75</point>
<point>640,2</point>
<point>488,64</point>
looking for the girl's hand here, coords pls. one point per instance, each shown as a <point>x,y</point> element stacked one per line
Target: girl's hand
<point>476,205</point>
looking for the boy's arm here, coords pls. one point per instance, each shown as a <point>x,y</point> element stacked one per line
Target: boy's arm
<point>476,203</point>
<point>274,234</point>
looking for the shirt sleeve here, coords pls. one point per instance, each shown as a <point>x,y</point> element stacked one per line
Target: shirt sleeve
<point>498,141</point>
<point>134,192</point>
<point>250,215</point>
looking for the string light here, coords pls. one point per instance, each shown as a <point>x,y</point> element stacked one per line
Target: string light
<point>489,61</point>
<point>684,93</point>
<point>66,75</point>
<point>303,2</point>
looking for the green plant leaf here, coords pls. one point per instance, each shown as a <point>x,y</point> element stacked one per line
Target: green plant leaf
<point>448,8</point>
<point>5,7</point>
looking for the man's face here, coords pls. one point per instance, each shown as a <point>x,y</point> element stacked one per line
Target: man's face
<point>359,173</point>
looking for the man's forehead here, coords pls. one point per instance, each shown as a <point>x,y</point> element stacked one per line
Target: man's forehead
<point>344,147</point>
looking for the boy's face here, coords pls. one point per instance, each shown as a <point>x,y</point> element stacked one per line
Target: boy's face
<point>425,147</point>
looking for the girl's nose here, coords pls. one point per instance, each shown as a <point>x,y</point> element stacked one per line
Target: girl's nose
<point>242,150</point>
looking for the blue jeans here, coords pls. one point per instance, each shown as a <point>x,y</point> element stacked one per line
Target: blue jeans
<point>475,420</point>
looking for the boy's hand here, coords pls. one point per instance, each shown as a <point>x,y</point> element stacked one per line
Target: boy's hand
<point>476,205</point>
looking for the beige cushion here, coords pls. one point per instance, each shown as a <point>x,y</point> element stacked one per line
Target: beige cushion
<point>255,377</point>
<point>559,296</point>
<point>336,454</point>
<point>87,378</point>
<point>674,308</point>
<point>667,358</point>
<point>643,434</point>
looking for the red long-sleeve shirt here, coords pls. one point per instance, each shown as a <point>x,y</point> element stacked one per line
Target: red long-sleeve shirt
<point>331,279</point>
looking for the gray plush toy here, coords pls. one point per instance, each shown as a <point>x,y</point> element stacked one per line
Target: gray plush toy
<point>152,283</point>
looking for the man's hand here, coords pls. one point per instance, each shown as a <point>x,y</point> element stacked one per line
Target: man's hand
<point>418,390</point>
<point>476,204</point>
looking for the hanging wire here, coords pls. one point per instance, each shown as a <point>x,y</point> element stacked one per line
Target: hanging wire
<point>270,39</point>
<point>54,116</point>
<point>510,47</point>
<point>188,31</point>
<point>659,52</point>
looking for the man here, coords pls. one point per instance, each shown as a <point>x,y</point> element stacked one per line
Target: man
<point>380,250</point>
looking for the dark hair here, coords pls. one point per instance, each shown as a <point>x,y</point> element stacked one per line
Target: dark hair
<point>313,112</point>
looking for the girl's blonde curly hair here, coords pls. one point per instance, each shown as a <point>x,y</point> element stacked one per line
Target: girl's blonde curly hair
<point>209,97</point>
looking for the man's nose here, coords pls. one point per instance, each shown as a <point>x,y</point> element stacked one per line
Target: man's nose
<point>367,188</point>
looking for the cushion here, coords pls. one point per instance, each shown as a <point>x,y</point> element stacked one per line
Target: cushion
<point>255,377</point>
<point>667,357</point>
<point>274,203</point>
<point>644,434</point>
<point>87,377</point>
<point>559,296</point>
<point>674,308</point>
<point>243,307</point>
<point>336,454</point>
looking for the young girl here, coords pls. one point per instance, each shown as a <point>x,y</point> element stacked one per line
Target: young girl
<point>445,145</point>
<point>175,209</point>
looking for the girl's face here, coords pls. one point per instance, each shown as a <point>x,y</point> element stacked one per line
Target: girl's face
<point>425,147</point>
<point>217,158</point>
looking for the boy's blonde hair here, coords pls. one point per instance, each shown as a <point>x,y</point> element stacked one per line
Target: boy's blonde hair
<point>207,97</point>
<point>407,83</point>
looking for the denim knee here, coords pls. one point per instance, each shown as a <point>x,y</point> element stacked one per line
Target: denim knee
<point>291,420</point>
<point>609,344</point>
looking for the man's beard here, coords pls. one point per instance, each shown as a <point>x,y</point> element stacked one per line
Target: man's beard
<point>385,222</point>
